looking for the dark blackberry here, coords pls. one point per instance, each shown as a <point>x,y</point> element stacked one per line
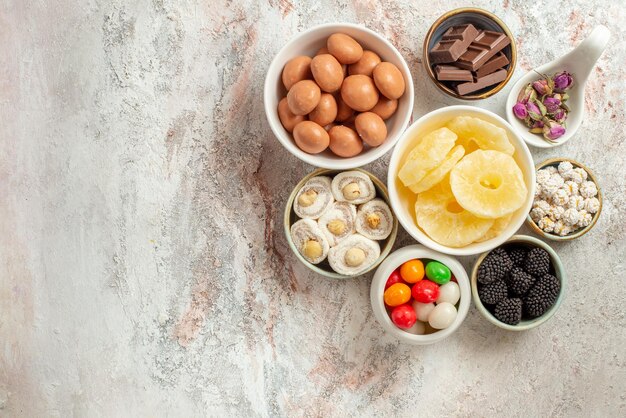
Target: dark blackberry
<point>509,311</point>
<point>518,281</point>
<point>542,295</point>
<point>537,262</point>
<point>492,293</point>
<point>494,267</point>
<point>518,255</point>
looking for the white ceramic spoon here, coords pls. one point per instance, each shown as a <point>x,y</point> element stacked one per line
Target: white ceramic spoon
<point>579,62</point>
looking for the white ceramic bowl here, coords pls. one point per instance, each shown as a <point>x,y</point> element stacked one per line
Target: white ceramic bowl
<point>307,43</point>
<point>403,206</point>
<point>392,262</point>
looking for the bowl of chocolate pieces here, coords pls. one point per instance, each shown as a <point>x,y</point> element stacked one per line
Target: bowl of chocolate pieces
<point>469,53</point>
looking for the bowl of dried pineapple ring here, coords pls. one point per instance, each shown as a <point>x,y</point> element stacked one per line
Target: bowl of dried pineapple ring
<point>460,180</point>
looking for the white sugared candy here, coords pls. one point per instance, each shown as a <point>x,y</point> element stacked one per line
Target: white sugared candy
<point>338,222</point>
<point>309,240</point>
<point>536,214</point>
<point>374,220</point>
<point>314,198</point>
<point>551,169</point>
<point>546,224</point>
<point>581,172</point>
<point>442,316</point>
<point>588,189</point>
<point>576,176</point>
<point>353,255</point>
<point>565,167</point>
<point>561,229</point>
<point>419,328</point>
<point>564,199</point>
<point>576,202</point>
<point>560,197</point>
<point>571,217</point>
<point>557,212</point>
<point>354,187</point>
<point>543,205</point>
<point>592,205</point>
<point>542,176</point>
<point>449,292</point>
<point>551,185</point>
<point>423,310</point>
<point>571,187</point>
<point>585,219</point>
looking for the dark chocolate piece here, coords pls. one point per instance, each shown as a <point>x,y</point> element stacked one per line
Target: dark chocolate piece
<point>452,73</point>
<point>453,44</point>
<point>481,82</point>
<point>486,45</point>
<point>495,63</point>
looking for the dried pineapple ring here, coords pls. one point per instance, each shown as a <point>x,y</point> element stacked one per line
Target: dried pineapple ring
<point>353,255</point>
<point>337,223</point>
<point>353,187</point>
<point>438,174</point>
<point>314,198</point>
<point>309,240</point>
<point>496,229</point>
<point>486,135</point>
<point>374,220</point>
<point>489,184</point>
<point>426,156</point>
<point>443,220</point>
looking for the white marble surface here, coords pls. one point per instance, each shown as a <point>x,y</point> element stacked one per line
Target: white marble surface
<point>143,266</point>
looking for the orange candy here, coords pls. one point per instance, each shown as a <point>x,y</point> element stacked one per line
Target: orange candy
<point>397,294</point>
<point>412,271</point>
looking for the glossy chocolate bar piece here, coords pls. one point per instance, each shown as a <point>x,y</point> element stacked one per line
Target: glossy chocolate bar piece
<point>495,63</point>
<point>453,44</point>
<point>481,82</point>
<point>463,32</point>
<point>485,46</point>
<point>452,73</point>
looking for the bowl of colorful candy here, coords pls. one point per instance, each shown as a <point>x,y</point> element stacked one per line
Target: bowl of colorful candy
<point>519,285</point>
<point>419,295</point>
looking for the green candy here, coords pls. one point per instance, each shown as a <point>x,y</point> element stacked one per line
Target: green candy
<point>437,272</point>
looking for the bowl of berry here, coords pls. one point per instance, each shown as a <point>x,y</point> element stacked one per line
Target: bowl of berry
<point>419,295</point>
<point>519,285</point>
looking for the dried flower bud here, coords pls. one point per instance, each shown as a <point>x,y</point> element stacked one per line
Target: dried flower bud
<point>542,87</point>
<point>519,110</point>
<point>553,130</point>
<point>562,81</point>
<point>536,127</point>
<point>533,111</point>
<point>527,94</point>
<point>552,104</point>
<point>560,116</point>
